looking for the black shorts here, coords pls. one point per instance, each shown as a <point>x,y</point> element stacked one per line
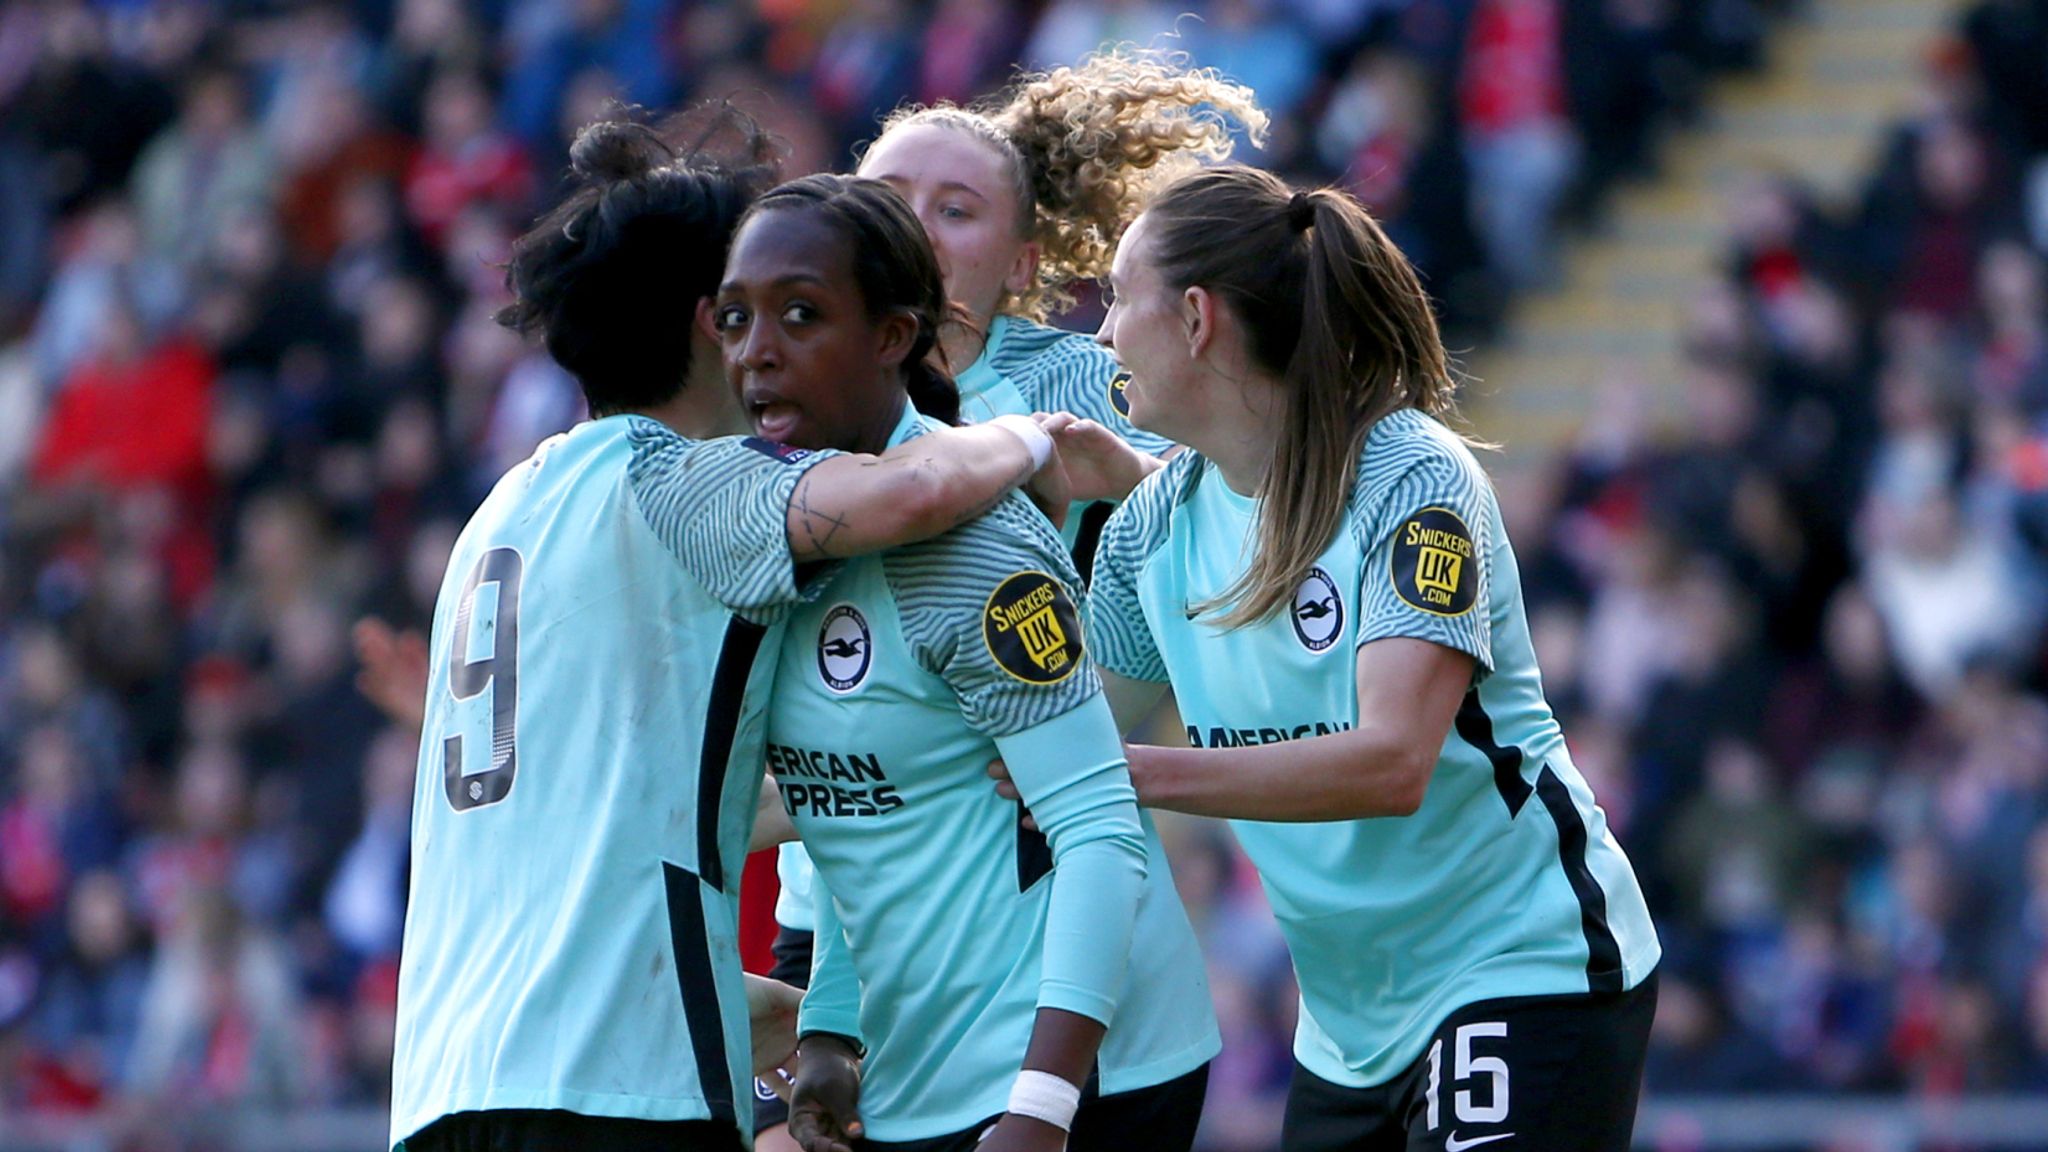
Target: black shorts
<point>1162,1118</point>
<point>1522,1074</point>
<point>792,951</point>
<point>533,1130</point>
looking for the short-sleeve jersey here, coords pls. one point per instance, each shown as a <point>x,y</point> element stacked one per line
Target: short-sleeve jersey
<point>588,770</point>
<point>893,689</point>
<point>1027,367</point>
<point>1482,893</point>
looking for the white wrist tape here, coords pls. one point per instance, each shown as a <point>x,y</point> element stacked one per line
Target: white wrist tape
<point>1027,430</point>
<point>1044,1096</point>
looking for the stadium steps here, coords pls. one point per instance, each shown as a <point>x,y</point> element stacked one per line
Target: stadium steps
<point>1838,72</point>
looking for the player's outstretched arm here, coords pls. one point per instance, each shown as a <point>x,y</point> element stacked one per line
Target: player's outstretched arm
<point>853,505</point>
<point>1409,691</point>
<point>1130,701</point>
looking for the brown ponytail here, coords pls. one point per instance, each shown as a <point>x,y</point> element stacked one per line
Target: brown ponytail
<point>1335,310</point>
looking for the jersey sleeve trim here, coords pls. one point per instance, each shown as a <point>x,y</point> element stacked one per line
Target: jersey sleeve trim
<point>721,507</point>
<point>1118,630</point>
<point>1424,520</point>
<point>992,609</point>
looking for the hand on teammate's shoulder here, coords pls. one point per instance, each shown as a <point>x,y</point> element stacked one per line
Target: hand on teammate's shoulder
<point>1099,464</point>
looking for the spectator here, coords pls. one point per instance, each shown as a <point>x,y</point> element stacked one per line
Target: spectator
<point>1946,592</point>
<point>965,51</point>
<point>864,67</point>
<point>1737,854</point>
<point>428,38</point>
<point>91,1004</point>
<point>463,159</point>
<point>1960,208</point>
<point>252,388</point>
<point>1518,140</point>
<point>1696,1048</point>
<point>210,845</point>
<point>621,38</point>
<point>217,1017</point>
<point>1258,45</point>
<point>207,170</point>
<point>47,685</point>
<point>1071,29</point>
<point>106,264</point>
<point>132,414</point>
<point>88,111</point>
<point>340,145</point>
<point>365,904</point>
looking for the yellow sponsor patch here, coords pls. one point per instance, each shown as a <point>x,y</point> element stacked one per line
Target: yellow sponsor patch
<point>1434,566</point>
<point>1031,629</point>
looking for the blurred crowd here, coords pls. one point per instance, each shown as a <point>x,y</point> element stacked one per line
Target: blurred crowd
<point>250,389</point>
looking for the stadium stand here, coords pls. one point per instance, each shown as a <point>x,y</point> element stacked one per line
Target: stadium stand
<point>249,388</point>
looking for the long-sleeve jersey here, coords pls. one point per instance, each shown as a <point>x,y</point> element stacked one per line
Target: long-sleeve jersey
<point>944,924</point>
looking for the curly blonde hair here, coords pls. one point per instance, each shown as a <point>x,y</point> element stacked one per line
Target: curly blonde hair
<point>1089,145</point>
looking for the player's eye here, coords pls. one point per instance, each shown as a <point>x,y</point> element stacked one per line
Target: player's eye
<point>799,314</point>
<point>954,212</point>
<point>729,318</point>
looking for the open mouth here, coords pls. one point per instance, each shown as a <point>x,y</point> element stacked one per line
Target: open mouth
<point>773,419</point>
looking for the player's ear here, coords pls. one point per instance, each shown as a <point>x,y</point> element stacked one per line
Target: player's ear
<point>707,319</point>
<point>896,335</point>
<point>1200,313</point>
<point>1023,270</point>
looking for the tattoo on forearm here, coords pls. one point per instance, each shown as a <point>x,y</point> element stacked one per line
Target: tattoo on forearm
<point>819,525</point>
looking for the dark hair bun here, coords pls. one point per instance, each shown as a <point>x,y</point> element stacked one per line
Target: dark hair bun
<point>644,224</point>
<point>610,150</point>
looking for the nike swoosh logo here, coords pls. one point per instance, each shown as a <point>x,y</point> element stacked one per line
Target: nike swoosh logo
<point>1453,1144</point>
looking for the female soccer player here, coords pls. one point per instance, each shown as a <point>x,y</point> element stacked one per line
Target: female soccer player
<point>592,713</point>
<point>1025,197</point>
<point>1324,581</point>
<point>1021,199</point>
<point>951,942</point>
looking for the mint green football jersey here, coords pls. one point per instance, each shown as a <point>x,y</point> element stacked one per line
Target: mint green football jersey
<point>1506,882</point>
<point>1024,367</point>
<point>1027,367</point>
<point>943,925</point>
<point>587,777</point>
